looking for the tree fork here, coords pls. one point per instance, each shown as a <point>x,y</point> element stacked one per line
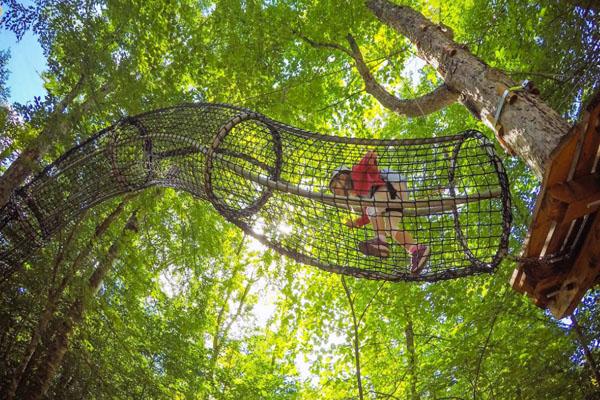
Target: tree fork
<point>530,126</point>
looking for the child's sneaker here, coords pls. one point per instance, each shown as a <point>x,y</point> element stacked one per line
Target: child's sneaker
<point>419,257</point>
<point>374,247</point>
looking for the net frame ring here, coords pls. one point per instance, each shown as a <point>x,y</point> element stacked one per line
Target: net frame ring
<point>495,161</point>
<point>117,143</point>
<point>274,171</point>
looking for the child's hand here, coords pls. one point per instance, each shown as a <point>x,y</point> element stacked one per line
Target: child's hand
<point>350,224</point>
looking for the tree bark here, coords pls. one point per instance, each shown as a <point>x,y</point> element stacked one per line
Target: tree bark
<point>530,127</point>
<point>42,377</point>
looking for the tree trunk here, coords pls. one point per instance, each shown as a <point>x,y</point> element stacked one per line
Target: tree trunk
<point>36,335</point>
<point>355,339</point>
<point>412,358</point>
<point>531,128</point>
<point>54,294</point>
<point>221,336</point>
<point>42,377</point>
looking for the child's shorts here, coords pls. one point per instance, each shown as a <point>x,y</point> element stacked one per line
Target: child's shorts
<point>391,220</point>
<point>392,176</point>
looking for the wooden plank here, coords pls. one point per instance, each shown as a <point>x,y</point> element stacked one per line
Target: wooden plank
<point>549,287</point>
<point>580,197</point>
<point>570,192</point>
<point>587,205</point>
<point>518,281</point>
<point>582,275</point>
<point>589,151</point>
<point>552,212</point>
<point>548,210</point>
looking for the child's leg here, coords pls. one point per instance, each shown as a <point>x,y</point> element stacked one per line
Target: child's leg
<point>402,237</point>
<point>378,222</point>
<point>419,252</point>
<point>377,246</point>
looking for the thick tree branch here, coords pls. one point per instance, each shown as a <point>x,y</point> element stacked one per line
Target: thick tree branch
<point>529,127</point>
<point>435,100</point>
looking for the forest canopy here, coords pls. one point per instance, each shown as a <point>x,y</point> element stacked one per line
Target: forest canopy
<point>155,295</point>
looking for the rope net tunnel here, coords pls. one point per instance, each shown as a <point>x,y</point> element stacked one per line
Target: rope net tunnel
<point>274,181</point>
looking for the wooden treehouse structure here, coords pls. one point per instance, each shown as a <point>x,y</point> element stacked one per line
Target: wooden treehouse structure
<point>561,256</point>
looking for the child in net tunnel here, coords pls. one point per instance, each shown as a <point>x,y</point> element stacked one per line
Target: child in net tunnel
<point>365,180</point>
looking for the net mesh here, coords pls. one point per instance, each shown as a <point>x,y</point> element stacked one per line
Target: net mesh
<point>449,215</point>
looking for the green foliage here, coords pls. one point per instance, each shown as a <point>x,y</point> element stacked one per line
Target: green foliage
<point>192,309</point>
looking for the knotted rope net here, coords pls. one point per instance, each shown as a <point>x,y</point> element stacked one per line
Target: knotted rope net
<point>273,181</point>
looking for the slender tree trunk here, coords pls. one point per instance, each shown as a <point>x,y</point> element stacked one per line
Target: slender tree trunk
<point>42,377</point>
<point>220,336</point>
<point>413,374</point>
<point>482,355</point>
<point>221,332</point>
<point>355,340</point>
<point>531,128</point>
<point>586,349</point>
<point>54,294</point>
<point>36,336</point>
<point>22,167</point>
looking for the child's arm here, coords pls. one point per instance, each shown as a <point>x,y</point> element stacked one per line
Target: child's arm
<point>357,223</point>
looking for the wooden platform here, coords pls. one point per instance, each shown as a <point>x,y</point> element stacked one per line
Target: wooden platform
<point>561,257</point>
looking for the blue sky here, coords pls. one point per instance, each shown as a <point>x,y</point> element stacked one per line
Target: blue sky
<point>26,64</point>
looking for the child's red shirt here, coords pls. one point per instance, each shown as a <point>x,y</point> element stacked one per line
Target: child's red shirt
<point>364,176</point>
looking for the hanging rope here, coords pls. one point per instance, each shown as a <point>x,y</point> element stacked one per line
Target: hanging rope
<point>442,202</point>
